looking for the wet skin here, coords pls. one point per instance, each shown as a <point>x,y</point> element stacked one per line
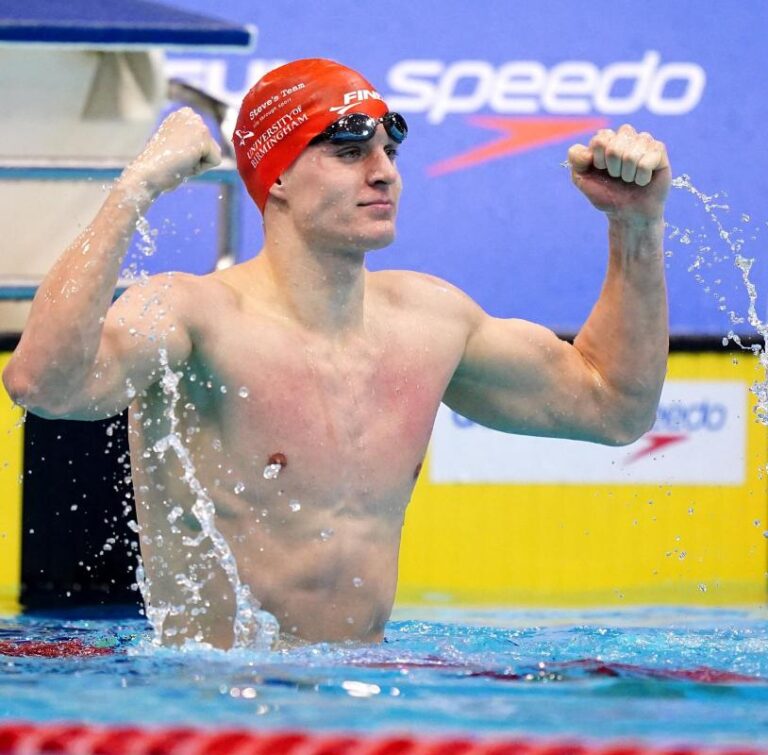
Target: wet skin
<point>341,370</point>
<point>342,385</point>
<point>318,545</point>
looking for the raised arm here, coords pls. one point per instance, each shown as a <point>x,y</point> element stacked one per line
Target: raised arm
<point>77,358</point>
<point>519,377</point>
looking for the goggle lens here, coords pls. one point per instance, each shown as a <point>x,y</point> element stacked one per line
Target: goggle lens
<point>358,127</point>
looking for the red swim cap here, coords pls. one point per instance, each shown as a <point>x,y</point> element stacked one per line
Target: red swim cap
<point>286,109</point>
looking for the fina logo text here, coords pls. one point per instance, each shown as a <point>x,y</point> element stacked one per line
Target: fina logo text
<point>353,99</point>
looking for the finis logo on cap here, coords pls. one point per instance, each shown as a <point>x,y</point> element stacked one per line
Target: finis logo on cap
<point>353,99</point>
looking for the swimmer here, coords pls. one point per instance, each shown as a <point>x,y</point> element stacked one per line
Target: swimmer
<point>309,386</point>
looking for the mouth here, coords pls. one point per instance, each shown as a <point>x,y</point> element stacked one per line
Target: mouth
<point>377,203</point>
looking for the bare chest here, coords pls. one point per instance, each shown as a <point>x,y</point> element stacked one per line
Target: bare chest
<point>362,412</point>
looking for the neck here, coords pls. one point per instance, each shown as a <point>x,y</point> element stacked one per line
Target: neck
<point>323,290</point>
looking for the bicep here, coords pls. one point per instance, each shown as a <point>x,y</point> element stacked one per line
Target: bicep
<point>144,333</point>
<point>517,376</point>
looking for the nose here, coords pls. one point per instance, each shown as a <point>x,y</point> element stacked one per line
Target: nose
<point>381,167</point>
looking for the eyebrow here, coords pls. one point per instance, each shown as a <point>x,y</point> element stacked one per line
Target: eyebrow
<point>362,144</point>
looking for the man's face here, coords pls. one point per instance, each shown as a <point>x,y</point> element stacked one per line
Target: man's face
<point>344,197</point>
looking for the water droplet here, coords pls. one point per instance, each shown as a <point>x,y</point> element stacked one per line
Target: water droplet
<point>326,535</point>
<point>239,487</point>
<point>175,513</point>
<point>702,587</point>
<point>271,471</point>
<point>294,506</point>
<point>243,392</point>
<point>357,582</point>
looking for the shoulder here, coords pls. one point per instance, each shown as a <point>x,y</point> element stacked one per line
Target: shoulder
<point>174,305</point>
<point>181,294</point>
<point>426,293</point>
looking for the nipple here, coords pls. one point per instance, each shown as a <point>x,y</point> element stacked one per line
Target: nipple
<point>274,466</point>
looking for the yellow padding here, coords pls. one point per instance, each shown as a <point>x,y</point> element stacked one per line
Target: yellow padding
<point>11,463</point>
<point>567,545</point>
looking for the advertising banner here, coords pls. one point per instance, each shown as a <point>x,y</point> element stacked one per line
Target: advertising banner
<point>494,94</point>
<point>698,439</point>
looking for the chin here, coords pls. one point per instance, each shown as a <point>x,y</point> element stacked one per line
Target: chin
<point>381,239</point>
<point>367,242</point>
<point>381,242</point>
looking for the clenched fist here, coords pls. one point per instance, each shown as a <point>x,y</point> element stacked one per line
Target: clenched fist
<point>181,147</point>
<point>623,173</point>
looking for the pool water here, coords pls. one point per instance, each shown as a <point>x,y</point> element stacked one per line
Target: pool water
<point>658,675</point>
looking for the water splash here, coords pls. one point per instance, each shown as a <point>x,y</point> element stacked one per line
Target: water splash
<point>735,244</point>
<point>147,236</point>
<point>254,628</point>
<point>146,246</point>
<point>156,614</point>
<point>272,471</point>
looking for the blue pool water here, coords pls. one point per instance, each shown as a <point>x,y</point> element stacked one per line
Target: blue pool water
<point>662,676</point>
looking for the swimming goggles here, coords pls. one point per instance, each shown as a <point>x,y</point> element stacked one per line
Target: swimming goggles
<point>358,127</point>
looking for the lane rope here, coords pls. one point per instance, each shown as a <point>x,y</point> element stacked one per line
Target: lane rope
<point>82,739</point>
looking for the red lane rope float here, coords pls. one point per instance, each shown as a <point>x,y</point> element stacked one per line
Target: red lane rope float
<point>46,649</point>
<point>565,669</point>
<point>77,739</point>
<point>585,667</point>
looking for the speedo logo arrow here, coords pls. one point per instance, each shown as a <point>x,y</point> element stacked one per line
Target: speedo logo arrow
<point>532,104</point>
<point>519,134</point>
<point>654,442</point>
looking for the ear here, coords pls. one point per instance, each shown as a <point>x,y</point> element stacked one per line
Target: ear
<point>277,190</point>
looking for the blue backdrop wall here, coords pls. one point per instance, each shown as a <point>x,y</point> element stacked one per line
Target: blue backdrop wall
<point>494,93</point>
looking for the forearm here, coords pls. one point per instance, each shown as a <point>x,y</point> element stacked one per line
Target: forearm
<point>62,335</point>
<point>56,358</point>
<point>626,336</point>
